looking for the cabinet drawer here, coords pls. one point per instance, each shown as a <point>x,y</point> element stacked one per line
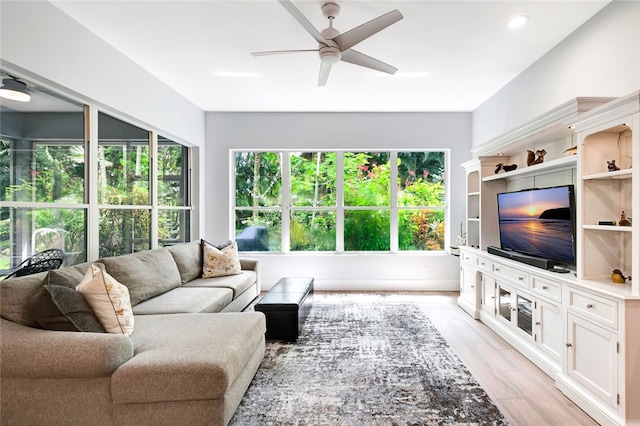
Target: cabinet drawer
<point>594,307</point>
<point>546,287</point>
<point>484,264</point>
<point>514,274</point>
<point>466,258</point>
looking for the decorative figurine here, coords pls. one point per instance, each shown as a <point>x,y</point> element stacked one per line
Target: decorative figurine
<point>618,277</point>
<point>611,165</point>
<point>623,220</point>
<point>535,158</point>
<point>571,151</point>
<point>506,168</point>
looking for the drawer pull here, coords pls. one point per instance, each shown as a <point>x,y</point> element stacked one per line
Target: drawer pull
<point>497,269</point>
<point>590,305</point>
<point>569,345</point>
<point>520,278</point>
<point>537,322</point>
<point>544,287</point>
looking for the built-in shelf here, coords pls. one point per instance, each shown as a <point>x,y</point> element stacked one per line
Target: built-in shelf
<point>608,228</point>
<point>473,219</point>
<point>473,193</point>
<point>618,174</point>
<point>562,163</point>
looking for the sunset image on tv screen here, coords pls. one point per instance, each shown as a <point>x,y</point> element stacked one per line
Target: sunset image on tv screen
<point>537,222</point>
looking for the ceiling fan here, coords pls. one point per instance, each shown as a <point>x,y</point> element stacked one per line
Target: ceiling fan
<point>334,46</point>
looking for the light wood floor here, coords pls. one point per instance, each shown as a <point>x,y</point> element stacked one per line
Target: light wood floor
<point>524,394</point>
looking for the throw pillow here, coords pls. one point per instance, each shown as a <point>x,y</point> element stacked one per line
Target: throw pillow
<point>62,308</point>
<point>109,300</point>
<point>220,262</point>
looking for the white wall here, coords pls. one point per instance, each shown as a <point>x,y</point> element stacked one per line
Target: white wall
<point>601,58</point>
<point>311,131</point>
<point>39,41</point>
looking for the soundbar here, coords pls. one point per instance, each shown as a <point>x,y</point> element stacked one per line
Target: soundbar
<point>522,258</point>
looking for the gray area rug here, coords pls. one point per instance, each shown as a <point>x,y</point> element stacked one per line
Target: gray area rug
<point>365,360</point>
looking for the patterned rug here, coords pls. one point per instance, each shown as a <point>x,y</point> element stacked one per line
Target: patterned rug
<point>365,360</point>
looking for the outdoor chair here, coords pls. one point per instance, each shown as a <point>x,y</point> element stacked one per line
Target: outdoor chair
<point>39,262</point>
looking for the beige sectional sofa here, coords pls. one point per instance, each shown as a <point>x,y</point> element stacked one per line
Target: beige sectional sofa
<point>189,360</point>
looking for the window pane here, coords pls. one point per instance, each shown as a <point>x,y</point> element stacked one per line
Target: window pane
<point>421,179</point>
<point>59,172</point>
<point>313,179</point>
<point>172,173</point>
<point>258,179</point>
<point>367,230</point>
<point>312,231</point>
<point>26,231</point>
<point>173,227</point>
<point>124,231</point>
<point>421,229</point>
<point>366,179</point>
<point>258,231</point>
<point>123,162</point>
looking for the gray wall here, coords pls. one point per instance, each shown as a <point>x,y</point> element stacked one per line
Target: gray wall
<point>601,58</point>
<point>312,131</point>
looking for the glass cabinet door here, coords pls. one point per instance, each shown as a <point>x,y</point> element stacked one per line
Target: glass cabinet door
<point>525,315</point>
<point>505,304</point>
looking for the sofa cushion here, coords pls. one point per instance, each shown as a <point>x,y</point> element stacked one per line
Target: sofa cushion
<point>62,308</point>
<point>188,258</point>
<point>146,274</point>
<point>109,300</point>
<point>14,297</point>
<point>185,357</point>
<point>186,300</point>
<point>238,283</point>
<point>16,292</point>
<point>220,262</point>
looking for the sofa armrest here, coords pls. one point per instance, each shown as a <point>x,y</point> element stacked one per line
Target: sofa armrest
<point>251,264</point>
<point>36,353</point>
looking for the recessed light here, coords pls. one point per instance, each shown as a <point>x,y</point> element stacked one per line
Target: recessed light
<point>518,21</point>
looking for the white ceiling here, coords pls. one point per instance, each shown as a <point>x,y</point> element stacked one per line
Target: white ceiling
<point>452,55</point>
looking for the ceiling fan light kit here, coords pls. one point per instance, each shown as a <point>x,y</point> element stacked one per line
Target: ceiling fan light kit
<point>14,90</point>
<point>334,46</point>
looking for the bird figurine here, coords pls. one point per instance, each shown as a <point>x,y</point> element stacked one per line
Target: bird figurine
<point>505,167</point>
<point>618,277</point>
<point>611,165</point>
<point>623,220</point>
<point>571,151</point>
<point>535,157</point>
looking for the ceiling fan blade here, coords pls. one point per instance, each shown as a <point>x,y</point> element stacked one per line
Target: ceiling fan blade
<point>356,35</point>
<point>324,73</point>
<point>279,52</point>
<point>357,58</point>
<point>303,21</point>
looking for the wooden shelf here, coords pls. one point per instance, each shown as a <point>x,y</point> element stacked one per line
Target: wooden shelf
<point>611,228</point>
<point>562,163</point>
<point>618,174</point>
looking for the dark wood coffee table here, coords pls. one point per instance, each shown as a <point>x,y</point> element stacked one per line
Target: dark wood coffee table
<point>286,307</point>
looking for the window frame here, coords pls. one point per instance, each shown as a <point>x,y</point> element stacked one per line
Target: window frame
<point>286,208</point>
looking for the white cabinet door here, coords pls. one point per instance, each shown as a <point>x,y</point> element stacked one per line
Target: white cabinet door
<point>488,294</point>
<point>549,329</point>
<point>467,283</point>
<point>592,358</point>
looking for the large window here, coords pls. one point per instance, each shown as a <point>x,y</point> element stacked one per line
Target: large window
<point>340,201</point>
<point>126,191</point>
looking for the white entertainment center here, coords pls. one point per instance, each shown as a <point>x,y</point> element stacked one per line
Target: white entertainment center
<point>580,328</point>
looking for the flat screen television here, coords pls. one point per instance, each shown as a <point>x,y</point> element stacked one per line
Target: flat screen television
<point>539,222</point>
